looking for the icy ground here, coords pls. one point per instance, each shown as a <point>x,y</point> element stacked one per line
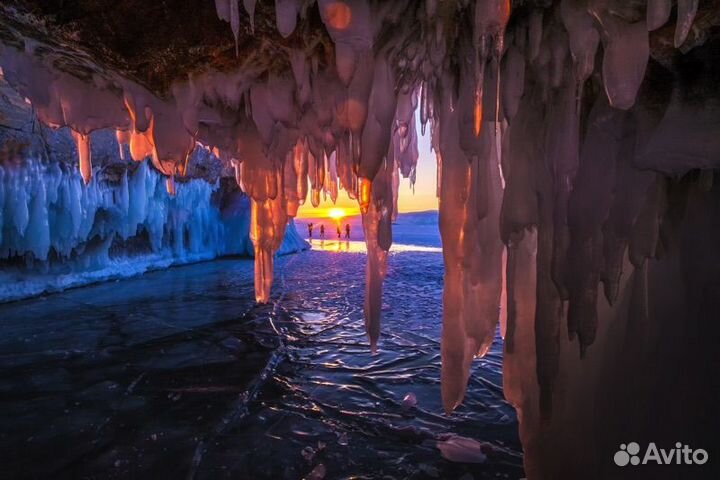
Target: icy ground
<point>176,374</point>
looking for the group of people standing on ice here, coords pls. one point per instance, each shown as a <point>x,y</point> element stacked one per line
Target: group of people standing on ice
<point>322,230</point>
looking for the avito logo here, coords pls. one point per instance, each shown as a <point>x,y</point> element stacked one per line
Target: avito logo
<point>680,455</point>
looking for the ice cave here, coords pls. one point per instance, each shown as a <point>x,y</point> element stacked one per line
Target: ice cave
<point>378,239</point>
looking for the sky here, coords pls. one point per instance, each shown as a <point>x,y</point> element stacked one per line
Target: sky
<point>422,198</point>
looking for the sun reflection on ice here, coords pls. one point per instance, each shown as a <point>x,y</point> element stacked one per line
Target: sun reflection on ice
<point>353,246</point>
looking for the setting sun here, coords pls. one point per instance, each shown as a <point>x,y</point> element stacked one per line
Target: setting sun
<point>337,213</point>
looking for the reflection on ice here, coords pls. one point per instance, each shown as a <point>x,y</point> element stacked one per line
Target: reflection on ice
<point>353,246</point>
<point>184,374</point>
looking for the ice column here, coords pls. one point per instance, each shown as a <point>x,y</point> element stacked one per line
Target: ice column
<point>267,228</point>
<point>84,155</point>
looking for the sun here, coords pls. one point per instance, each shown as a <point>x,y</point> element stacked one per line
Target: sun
<point>336,213</point>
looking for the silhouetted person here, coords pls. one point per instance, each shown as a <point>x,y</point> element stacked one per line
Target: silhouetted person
<point>310,228</point>
<point>347,231</point>
<point>339,232</point>
<point>322,231</point>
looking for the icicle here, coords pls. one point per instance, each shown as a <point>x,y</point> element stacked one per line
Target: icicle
<point>480,60</point>
<point>377,226</point>
<point>290,186</point>
<point>438,174</point>
<point>301,73</point>
<point>646,230</point>
<point>300,160</point>
<point>524,143</point>
<point>236,166</point>
<point>349,26</point>
<point>625,59</point>
<point>374,274</point>
<point>561,153</point>
<point>250,9</point>
<point>396,191</point>
<point>286,12</point>
<point>182,168</point>
<point>519,377</point>
<point>482,251</point>
<point>315,197</point>
<point>685,16</point>
<point>498,131</point>
<point>377,130</point>
<point>235,24</point>
<point>142,134</point>
<point>514,75</point>
<point>491,17</point>
<point>123,138</point>
<point>658,13</point>
<point>478,109</point>
<point>263,258</point>
<point>453,204</point>
<point>588,207</point>
<point>629,194</point>
<point>364,194</point>
<point>583,38</point>
<point>548,314</point>
<point>530,198</point>
<point>535,33</point>
<point>405,149</point>
<point>267,229</point>
<point>84,155</point>
<point>222,8</point>
<point>170,185</point>
<point>228,11</point>
<point>331,179</point>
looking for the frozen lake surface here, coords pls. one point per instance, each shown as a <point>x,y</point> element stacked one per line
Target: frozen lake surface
<point>177,374</point>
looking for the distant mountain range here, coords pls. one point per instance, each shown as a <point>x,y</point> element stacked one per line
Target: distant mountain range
<point>418,218</point>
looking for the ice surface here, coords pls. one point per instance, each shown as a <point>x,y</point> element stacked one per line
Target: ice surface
<point>462,449</point>
<point>197,339</point>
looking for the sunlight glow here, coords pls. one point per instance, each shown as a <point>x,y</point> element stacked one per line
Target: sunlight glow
<point>337,213</point>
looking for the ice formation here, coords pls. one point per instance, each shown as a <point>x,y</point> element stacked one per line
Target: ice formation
<point>686,14</point>
<point>545,141</point>
<point>75,232</point>
<point>58,214</point>
<point>462,449</point>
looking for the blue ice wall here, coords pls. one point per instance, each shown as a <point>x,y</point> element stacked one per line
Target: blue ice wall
<point>56,232</point>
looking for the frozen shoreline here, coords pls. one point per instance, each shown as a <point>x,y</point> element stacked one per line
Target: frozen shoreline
<point>18,285</point>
